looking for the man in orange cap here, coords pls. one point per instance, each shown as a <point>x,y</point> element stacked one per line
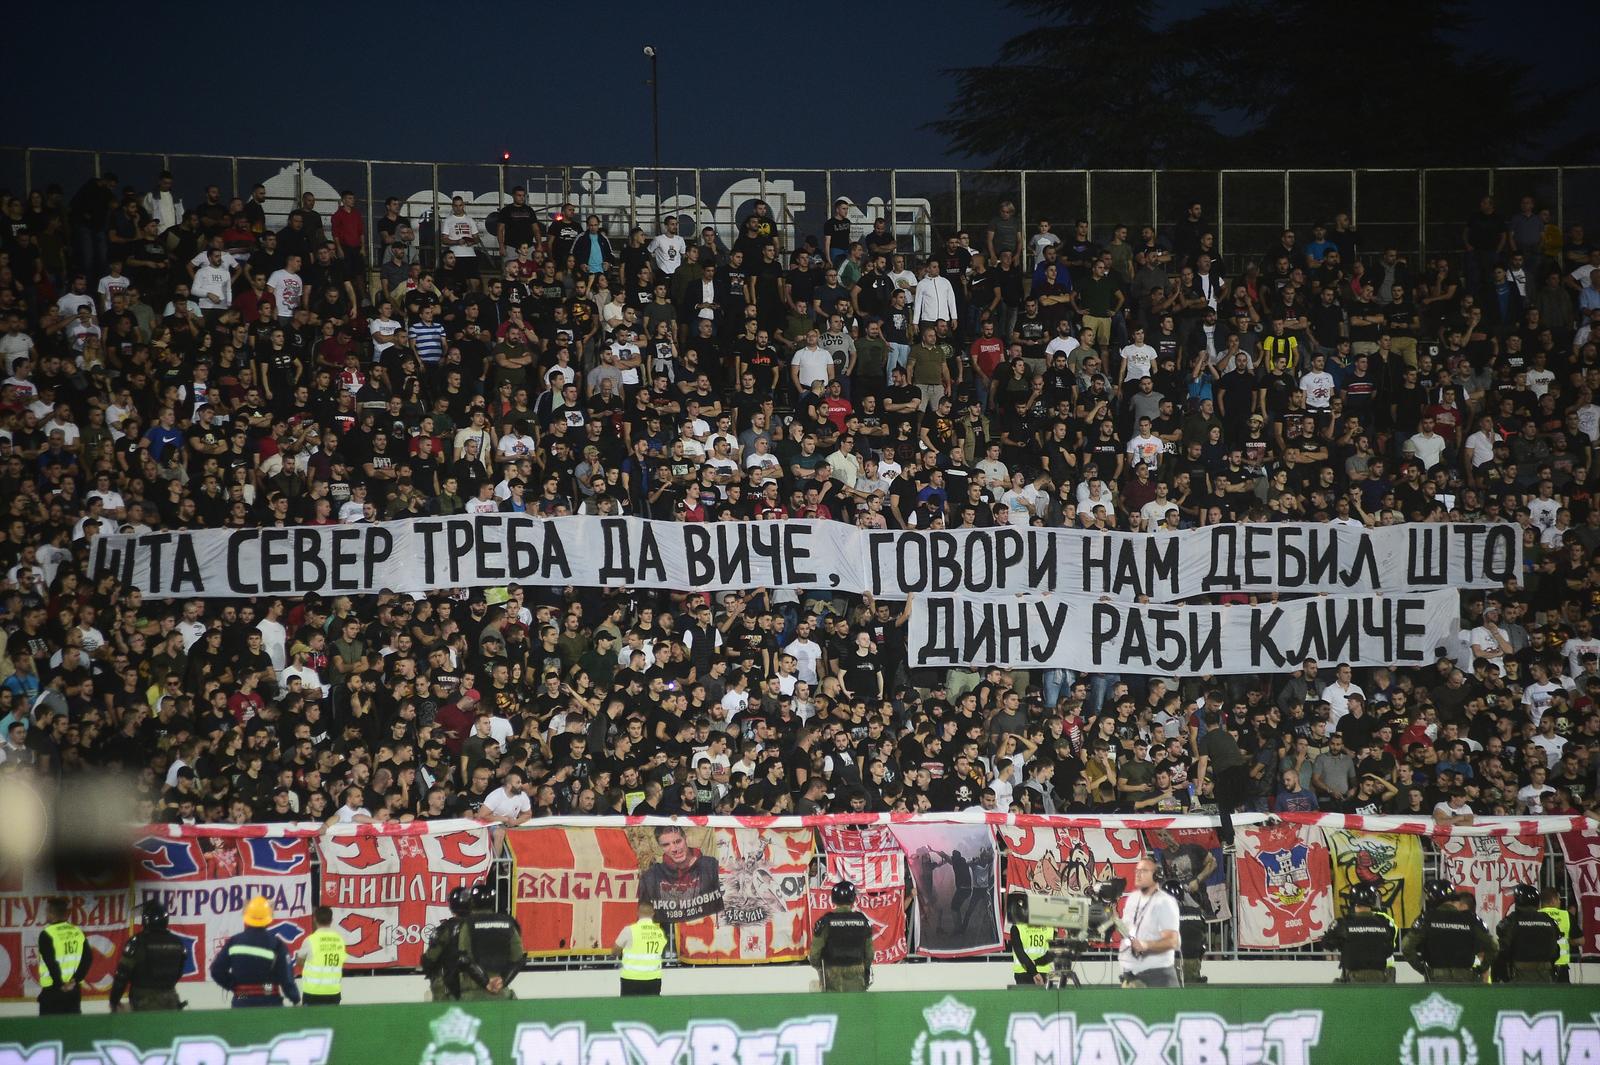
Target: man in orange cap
<point>255,964</point>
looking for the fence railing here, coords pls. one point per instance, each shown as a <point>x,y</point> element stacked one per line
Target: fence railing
<point>1421,212</point>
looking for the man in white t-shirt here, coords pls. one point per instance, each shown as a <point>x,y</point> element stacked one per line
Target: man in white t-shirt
<point>286,287</point>
<point>386,331</point>
<point>811,363</point>
<point>1138,358</point>
<point>67,306</point>
<point>1489,640</point>
<point>1063,342</point>
<point>1318,386</point>
<point>807,654</point>
<point>1426,446</point>
<point>113,283</point>
<point>1148,955</point>
<point>667,248</point>
<point>1146,448</point>
<point>461,231</point>
<point>508,804</point>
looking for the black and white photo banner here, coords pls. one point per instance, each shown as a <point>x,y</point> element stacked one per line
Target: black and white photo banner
<point>477,551</point>
<point>1085,634</point>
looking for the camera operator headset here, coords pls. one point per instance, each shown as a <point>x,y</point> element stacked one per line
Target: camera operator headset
<point>1150,937</point>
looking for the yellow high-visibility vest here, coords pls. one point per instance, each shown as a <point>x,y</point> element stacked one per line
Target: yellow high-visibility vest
<point>641,958</point>
<point>68,940</point>
<point>1563,921</point>
<point>324,971</point>
<point>1035,944</point>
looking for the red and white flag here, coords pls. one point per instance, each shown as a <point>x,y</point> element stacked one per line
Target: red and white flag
<point>205,883</point>
<point>1491,867</point>
<point>97,898</point>
<point>869,858</point>
<point>575,889</point>
<point>389,891</point>
<point>1580,850</point>
<point>1285,886</point>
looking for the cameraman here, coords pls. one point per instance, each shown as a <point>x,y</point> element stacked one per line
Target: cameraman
<point>1149,946</point>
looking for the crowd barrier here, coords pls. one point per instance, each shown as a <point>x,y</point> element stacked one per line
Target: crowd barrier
<point>743,891</point>
<point>1199,1026</point>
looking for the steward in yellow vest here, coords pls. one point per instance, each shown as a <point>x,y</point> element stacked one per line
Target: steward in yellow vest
<point>322,968</point>
<point>64,959</point>
<point>640,946</point>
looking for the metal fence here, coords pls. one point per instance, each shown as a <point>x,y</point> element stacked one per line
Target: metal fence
<point>1420,212</point>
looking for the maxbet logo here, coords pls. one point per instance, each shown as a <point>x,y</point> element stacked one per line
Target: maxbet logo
<point>309,1047</point>
<point>1189,1039</point>
<point>802,1041</point>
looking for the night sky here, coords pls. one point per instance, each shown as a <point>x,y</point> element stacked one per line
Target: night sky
<point>742,83</point>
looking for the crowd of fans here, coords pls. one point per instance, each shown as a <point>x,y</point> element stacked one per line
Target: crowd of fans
<point>195,367</point>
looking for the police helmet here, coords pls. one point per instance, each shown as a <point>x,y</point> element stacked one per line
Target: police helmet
<point>460,900</point>
<point>1017,907</point>
<point>483,895</point>
<point>1364,895</point>
<point>1527,895</point>
<point>153,915</point>
<point>1437,891</point>
<point>1173,886</point>
<point>844,893</point>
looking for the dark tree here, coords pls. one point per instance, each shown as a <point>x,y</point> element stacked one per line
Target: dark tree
<point>1253,83</point>
<point>1364,83</point>
<point>1093,85</point>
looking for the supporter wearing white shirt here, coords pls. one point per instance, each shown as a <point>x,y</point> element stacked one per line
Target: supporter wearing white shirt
<point>1138,358</point>
<point>811,363</point>
<point>515,445</point>
<point>1337,695</point>
<point>667,248</point>
<point>212,286</point>
<point>1317,385</point>
<point>508,803</point>
<point>1584,643</point>
<point>1480,445</point>
<point>1146,447</point>
<point>1426,446</point>
<point>1489,640</point>
<point>460,230</point>
<point>67,429</point>
<point>386,332</point>
<point>1543,509</point>
<point>111,284</point>
<point>807,654</point>
<point>286,287</point>
<point>1548,742</point>
<point>67,306</point>
<point>1064,344</point>
<point>274,640</point>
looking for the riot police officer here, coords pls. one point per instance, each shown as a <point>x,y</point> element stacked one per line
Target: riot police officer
<point>1032,961</point>
<point>1191,931</point>
<point>151,964</point>
<point>441,948</point>
<point>64,960</point>
<point>1366,939</point>
<point>1448,944</point>
<point>489,951</point>
<point>1529,941</point>
<point>841,944</point>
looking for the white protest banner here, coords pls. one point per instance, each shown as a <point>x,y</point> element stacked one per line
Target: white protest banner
<point>1095,635</point>
<point>486,550</point>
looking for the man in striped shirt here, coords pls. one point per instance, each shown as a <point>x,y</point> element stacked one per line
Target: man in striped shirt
<point>427,337</point>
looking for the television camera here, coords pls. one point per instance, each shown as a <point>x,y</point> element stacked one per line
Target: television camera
<point>1078,919</point>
